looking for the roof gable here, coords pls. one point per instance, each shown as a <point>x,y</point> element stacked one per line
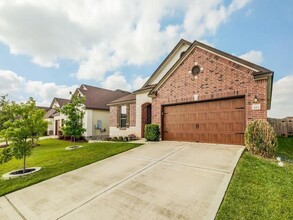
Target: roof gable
<point>59,102</point>
<point>98,98</point>
<point>167,63</point>
<point>259,72</point>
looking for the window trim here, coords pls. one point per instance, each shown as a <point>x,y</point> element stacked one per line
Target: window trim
<point>120,117</point>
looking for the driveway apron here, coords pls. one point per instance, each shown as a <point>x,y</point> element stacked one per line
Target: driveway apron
<point>162,180</point>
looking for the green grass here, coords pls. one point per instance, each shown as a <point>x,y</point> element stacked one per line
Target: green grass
<point>55,160</point>
<point>259,188</point>
<point>285,149</point>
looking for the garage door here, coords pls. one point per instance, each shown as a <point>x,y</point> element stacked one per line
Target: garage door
<point>221,121</point>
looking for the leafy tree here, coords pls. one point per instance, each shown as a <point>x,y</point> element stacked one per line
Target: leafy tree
<point>26,124</point>
<point>37,125</point>
<point>6,114</point>
<point>73,124</point>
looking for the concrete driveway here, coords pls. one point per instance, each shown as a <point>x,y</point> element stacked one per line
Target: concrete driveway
<point>164,180</point>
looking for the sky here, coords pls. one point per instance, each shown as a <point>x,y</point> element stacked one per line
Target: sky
<point>49,48</point>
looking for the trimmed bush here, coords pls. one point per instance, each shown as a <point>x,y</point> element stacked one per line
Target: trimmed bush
<point>260,138</point>
<point>152,132</point>
<point>120,138</point>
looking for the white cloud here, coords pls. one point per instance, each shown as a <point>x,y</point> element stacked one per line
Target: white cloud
<point>138,82</point>
<point>254,56</point>
<point>103,36</point>
<point>43,93</point>
<point>116,81</point>
<point>19,89</point>
<point>9,82</point>
<point>282,105</point>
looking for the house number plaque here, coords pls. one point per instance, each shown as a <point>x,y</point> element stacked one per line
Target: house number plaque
<point>256,106</point>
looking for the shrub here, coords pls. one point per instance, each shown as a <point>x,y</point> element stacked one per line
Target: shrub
<point>152,132</point>
<point>260,138</point>
<point>114,139</point>
<point>125,139</point>
<point>120,138</point>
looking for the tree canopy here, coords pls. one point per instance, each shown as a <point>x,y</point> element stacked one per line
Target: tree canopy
<point>73,124</point>
<point>23,124</point>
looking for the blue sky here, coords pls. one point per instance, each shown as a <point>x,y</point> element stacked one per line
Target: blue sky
<point>46,49</point>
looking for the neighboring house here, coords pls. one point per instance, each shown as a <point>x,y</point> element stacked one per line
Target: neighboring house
<point>198,93</point>
<point>97,112</point>
<point>50,119</point>
<point>54,118</point>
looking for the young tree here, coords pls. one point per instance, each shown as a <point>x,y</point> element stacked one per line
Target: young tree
<point>73,124</point>
<point>37,125</point>
<point>21,130</point>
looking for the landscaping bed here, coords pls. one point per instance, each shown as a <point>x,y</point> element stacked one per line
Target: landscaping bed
<point>259,188</point>
<point>55,160</point>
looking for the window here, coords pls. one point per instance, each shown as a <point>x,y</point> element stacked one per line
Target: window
<point>195,70</point>
<point>99,124</point>
<point>123,117</point>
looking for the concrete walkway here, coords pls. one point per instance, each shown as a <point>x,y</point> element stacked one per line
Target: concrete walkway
<point>165,180</point>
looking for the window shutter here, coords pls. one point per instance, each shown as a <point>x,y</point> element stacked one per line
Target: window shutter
<point>118,116</point>
<point>127,116</point>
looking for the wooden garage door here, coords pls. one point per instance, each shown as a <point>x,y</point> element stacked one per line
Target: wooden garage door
<point>221,121</point>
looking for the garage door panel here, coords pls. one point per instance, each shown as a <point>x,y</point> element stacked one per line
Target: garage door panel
<point>221,121</point>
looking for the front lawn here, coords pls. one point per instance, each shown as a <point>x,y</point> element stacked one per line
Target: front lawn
<point>55,160</point>
<point>259,188</point>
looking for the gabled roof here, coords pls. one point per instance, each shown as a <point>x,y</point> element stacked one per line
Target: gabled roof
<point>259,71</point>
<point>98,98</point>
<point>145,88</point>
<point>236,59</point>
<point>147,85</point>
<point>130,98</point>
<point>50,113</point>
<point>60,102</point>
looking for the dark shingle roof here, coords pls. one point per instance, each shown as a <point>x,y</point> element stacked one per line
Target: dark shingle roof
<point>60,101</point>
<point>98,98</point>
<point>128,98</point>
<point>50,113</point>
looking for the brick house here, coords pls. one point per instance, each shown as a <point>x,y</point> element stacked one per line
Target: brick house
<point>198,93</point>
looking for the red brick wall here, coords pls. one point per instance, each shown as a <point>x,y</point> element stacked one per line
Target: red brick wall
<point>132,115</point>
<point>113,115</point>
<point>219,78</point>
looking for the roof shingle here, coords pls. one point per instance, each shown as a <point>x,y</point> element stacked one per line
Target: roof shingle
<point>98,98</point>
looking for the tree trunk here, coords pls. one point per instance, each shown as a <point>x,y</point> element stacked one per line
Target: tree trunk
<point>24,163</point>
<point>24,159</point>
